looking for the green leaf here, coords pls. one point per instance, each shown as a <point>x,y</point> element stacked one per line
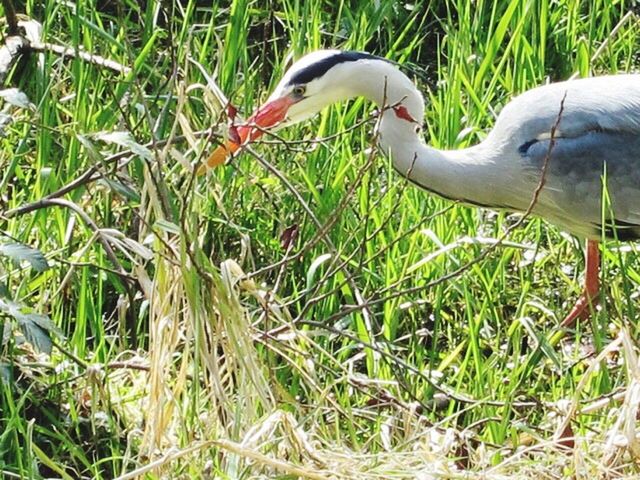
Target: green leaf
<point>19,252</point>
<point>167,226</point>
<point>5,332</point>
<point>90,149</point>
<point>125,139</point>
<point>542,342</point>
<point>17,98</point>
<point>121,189</point>
<point>35,327</point>
<point>5,373</point>
<point>317,263</point>
<point>37,330</point>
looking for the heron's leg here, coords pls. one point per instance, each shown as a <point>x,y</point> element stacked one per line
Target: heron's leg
<point>588,299</point>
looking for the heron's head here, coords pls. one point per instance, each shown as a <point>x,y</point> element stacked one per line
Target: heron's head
<point>313,82</point>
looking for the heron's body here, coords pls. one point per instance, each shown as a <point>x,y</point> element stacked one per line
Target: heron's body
<point>596,143</point>
<point>597,138</point>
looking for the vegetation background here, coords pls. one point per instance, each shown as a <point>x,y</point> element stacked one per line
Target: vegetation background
<point>301,312</point>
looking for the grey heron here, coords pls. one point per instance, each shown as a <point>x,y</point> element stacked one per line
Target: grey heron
<point>595,146</point>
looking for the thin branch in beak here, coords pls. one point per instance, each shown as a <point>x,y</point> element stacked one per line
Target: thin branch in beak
<point>267,116</point>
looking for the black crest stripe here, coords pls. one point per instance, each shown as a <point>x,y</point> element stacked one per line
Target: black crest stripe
<point>319,68</point>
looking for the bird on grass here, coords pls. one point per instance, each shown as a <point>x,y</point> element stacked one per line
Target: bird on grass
<point>565,145</point>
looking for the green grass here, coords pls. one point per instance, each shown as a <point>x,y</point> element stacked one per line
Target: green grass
<point>167,353</point>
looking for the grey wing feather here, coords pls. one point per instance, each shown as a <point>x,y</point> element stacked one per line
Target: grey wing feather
<point>597,134</point>
<point>609,103</point>
<point>578,168</point>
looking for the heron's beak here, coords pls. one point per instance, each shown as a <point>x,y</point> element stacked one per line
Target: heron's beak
<point>269,115</point>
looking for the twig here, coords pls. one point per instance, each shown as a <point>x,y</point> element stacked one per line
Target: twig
<point>170,456</point>
<point>327,323</point>
<point>361,247</point>
<point>84,56</point>
<point>89,221</point>
<point>332,271</point>
<point>356,291</point>
<point>128,366</point>
<point>278,140</point>
<point>232,447</point>
<point>124,275</point>
<point>12,17</point>
<point>499,241</point>
<point>401,363</point>
<point>612,34</point>
<point>91,175</point>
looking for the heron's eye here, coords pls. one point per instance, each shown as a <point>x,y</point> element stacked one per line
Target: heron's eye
<point>299,91</point>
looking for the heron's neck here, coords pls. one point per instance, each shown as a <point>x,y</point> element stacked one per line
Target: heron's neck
<point>455,174</point>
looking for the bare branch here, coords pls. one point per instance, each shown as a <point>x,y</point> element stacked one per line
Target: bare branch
<point>91,175</point>
<point>91,224</point>
<point>12,17</point>
<point>84,56</point>
<point>349,309</point>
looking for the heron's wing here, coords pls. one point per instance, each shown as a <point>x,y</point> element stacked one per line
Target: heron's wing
<point>596,124</point>
<point>584,169</point>
<point>609,103</point>
<point>595,154</point>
